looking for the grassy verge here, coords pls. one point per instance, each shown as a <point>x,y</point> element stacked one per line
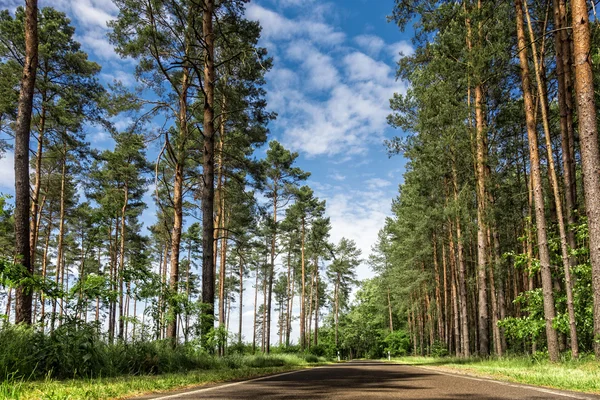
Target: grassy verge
<point>243,367</point>
<point>581,375</point>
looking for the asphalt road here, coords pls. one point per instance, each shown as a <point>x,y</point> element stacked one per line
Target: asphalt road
<point>371,380</point>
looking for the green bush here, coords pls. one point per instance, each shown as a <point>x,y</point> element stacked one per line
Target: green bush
<point>319,350</point>
<point>19,352</point>
<point>311,358</point>
<point>76,350</point>
<point>397,343</point>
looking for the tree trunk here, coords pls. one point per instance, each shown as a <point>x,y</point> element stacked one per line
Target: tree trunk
<point>241,272</point>
<point>310,307</point>
<point>438,292</point>
<point>290,295</point>
<point>389,312</point>
<point>536,177</point>
<point>494,303</point>
<point>44,270</point>
<point>61,231</point>
<point>24,295</point>
<point>264,311</point>
<point>336,302</point>
<point>122,260</point>
<point>462,275</point>
<point>255,305</point>
<point>563,43</point>
<point>447,312</point>
<point>303,294</point>
<point>482,251</point>
<point>501,288</point>
<point>455,299</point>
<point>208,190</point>
<point>222,271</point>
<point>35,196</point>
<point>564,246</point>
<point>272,268</point>
<point>187,292</point>
<point>316,341</point>
<point>588,137</point>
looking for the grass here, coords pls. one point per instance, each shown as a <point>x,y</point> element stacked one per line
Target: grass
<point>578,375</point>
<point>227,369</point>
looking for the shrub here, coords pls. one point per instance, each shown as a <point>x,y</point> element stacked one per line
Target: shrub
<point>311,358</point>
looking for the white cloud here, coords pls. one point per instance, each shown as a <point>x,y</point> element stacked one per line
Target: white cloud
<point>337,176</point>
<point>90,17</point>
<point>361,67</point>
<point>331,99</point>
<point>352,117</point>
<point>377,183</point>
<point>292,3</point>
<point>99,137</point>
<point>319,67</point>
<point>401,47</point>
<point>125,78</point>
<point>358,215</point>
<point>370,43</point>
<point>7,171</point>
<point>277,27</point>
<point>94,12</point>
<point>97,42</point>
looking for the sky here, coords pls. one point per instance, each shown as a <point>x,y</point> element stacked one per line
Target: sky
<point>333,76</point>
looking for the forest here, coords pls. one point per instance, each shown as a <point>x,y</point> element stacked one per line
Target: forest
<point>491,249</point>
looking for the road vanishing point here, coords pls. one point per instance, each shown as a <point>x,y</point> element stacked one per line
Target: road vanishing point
<point>366,380</point>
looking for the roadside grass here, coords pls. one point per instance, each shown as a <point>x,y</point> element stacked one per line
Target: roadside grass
<point>234,367</point>
<point>581,375</point>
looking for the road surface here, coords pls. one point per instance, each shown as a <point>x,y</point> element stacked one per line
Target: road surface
<point>366,380</point>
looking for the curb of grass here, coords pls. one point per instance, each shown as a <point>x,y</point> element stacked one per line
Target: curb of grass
<point>146,386</point>
<point>206,385</point>
<point>497,378</point>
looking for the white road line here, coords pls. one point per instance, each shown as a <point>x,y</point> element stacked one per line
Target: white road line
<point>178,395</point>
<point>518,386</point>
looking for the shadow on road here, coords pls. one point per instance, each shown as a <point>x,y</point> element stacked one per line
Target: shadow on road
<point>362,380</point>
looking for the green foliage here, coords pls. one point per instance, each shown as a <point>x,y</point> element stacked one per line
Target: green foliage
<point>77,350</point>
<point>531,327</point>
<point>397,343</point>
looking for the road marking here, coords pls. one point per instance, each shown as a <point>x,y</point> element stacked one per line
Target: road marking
<point>517,386</point>
<point>175,396</point>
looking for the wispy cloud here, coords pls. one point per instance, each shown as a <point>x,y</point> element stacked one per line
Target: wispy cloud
<point>7,171</point>
<point>332,99</point>
<point>278,27</point>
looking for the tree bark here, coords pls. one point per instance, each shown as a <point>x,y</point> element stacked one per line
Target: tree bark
<point>24,295</point>
<point>316,340</point>
<point>438,292</point>
<point>208,190</point>
<point>35,196</point>
<point>590,154</point>
<point>122,260</point>
<point>272,268</point>
<point>482,250</point>
<point>564,245</point>
<point>255,305</point>
<point>241,272</point>
<point>462,275</point>
<point>303,293</point>
<point>565,103</point>
<point>536,177</point>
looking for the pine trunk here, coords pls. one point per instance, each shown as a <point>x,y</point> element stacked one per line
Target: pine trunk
<point>564,245</point>
<point>24,296</point>
<point>536,177</point>
<point>208,189</point>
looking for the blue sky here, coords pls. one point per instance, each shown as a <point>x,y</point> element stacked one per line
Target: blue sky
<point>333,74</point>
